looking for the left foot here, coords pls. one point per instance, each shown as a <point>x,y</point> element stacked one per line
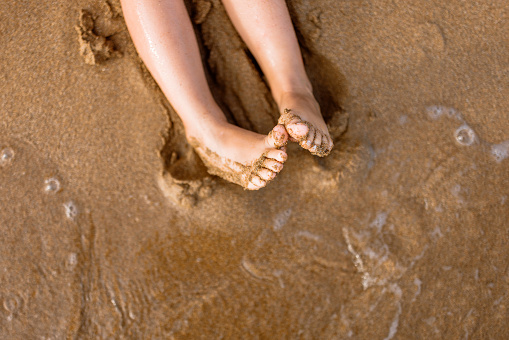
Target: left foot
<point>304,122</point>
<point>239,156</point>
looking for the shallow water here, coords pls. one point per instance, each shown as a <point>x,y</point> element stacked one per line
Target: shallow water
<point>400,233</point>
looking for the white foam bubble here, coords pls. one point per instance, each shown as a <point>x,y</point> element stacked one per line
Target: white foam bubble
<point>6,156</point>
<point>500,151</point>
<point>281,219</point>
<point>436,111</point>
<point>367,280</point>
<point>72,260</point>
<point>52,185</point>
<point>418,283</point>
<point>71,210</point>
<point>464,135</point>
<point>456,191</point>
<point>395,322</point>
<point>379,221</point>
<point>308,235</point>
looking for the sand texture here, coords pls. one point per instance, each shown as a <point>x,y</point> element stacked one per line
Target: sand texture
<point>111,227</point>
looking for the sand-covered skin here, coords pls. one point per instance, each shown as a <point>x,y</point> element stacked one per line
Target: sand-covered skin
<point>401,232</point>
<point>321,149</point>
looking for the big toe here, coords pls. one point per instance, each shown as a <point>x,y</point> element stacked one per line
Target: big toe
<point>298,130</point>
<point>278,137</point>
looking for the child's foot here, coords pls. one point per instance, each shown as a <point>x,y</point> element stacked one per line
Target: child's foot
<point>302,118</point>
<point>240,156</point>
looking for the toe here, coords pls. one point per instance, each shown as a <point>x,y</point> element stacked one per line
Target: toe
<point>330,144</point>
<point>278,137</point>
<point>317,148</point>
<point>258,182</point>
<point>278,155</point>
<point>318,139</point>
<point>251,186</point>
<point>266,174</point>
<point>298,130</point>
<point>308,142</point>
<point>272,165</point>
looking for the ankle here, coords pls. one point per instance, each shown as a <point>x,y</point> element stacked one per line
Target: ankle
<point>300,88</point>
<point>204,125</point>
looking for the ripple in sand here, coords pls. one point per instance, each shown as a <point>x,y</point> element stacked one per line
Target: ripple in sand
<point>12,303</point>
<point>6,156</point>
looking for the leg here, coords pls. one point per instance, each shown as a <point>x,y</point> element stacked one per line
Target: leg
<point>267,29</point>
<point>163,35</point>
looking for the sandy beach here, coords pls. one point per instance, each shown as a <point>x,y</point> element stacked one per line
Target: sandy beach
<point>112,228</point>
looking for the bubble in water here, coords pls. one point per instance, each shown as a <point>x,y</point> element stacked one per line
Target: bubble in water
<point>52,185</point>
<point>500,151</point>
<point>464,135</point>
<point>72,260</point>
<point>71,211</point>
<point>6,155</point>
<point>434,111</point>
<point>379,221</point>
<point>12,303</point>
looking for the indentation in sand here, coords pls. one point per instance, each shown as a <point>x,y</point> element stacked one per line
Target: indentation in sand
<point>185,193</point>
<point>95,47</point>
<point>201,9</point>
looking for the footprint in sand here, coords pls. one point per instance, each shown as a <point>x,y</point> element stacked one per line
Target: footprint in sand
<point>185,193</point>
<point>185,180</point>
<point>96,36</point>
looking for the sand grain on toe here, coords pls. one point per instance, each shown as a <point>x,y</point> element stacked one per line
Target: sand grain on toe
<point>307,135</point>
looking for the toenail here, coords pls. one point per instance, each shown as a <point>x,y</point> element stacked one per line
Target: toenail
<point>276,167</point>
<point>308,143</point>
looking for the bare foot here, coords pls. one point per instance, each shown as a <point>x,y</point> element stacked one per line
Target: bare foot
<point>240,156</point>
<point>304,122</point>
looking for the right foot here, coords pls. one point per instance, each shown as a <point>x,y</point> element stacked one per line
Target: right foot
<point>304,122</point>
<point>237,155</point>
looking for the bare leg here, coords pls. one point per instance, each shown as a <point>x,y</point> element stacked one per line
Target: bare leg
<point>267,29</point>
<point>163,35</point>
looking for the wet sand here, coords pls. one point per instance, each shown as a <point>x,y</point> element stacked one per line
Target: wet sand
<point>111,227</point>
